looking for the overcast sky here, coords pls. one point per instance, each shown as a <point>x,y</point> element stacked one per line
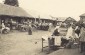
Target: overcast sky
<point>57,8</point>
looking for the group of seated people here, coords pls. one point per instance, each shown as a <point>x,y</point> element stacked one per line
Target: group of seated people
<point>39,26</point>
<point>43,26</point>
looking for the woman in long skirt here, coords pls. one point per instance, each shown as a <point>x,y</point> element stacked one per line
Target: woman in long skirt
<point>29,30</point>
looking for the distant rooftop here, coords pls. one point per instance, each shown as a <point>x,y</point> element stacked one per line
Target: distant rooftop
<point>60,18</point>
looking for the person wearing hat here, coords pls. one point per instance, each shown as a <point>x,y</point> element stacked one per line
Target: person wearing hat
<point>82,37</point>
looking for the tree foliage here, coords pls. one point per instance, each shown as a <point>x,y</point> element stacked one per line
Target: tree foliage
<point>11,2</point>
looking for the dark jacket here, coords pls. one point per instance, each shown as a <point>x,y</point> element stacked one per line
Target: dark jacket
<point>55,33</point>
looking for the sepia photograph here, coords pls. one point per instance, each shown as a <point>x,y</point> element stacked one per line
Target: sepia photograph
<point>42,27</point>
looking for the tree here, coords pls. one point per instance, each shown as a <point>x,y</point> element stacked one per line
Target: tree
<point>11,2</point>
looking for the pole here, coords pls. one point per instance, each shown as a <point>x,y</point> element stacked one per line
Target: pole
<point>35,20</point>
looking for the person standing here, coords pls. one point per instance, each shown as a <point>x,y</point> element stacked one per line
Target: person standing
<point>82,39</point>
<point>29,29</point>
<point>69,37</point>
<point>3,27</point>
<point>50,27</point>
<point>77,30</point>
<point>70,32</point>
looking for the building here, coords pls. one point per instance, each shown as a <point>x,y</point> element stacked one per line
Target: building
<point>8,12</point>
<point>59,20</point>
<point>40,17</point>
<point>46,18</point>
<point>17,14</point>
<point>70,20</point>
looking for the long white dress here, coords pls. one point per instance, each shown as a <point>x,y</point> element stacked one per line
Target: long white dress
<point>70,33</point>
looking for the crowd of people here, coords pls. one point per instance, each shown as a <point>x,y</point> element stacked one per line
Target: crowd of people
<point>24,26</point>
<point>29,26</point>
<point>74,35</point>
<point>4,28</point>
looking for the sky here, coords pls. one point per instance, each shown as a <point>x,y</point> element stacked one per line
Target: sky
<point>56,8</point>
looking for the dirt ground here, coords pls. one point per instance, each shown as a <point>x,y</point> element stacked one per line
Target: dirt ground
<point>20,43</point>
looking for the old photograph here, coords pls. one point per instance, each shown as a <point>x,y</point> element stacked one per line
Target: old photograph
<point>42,27</point>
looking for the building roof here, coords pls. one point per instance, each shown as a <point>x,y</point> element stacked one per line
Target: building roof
<point>13,11</point>
<point>70,19</point>
<point>44,16</point>
<point>33,13</point>
<point>61,19</point>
